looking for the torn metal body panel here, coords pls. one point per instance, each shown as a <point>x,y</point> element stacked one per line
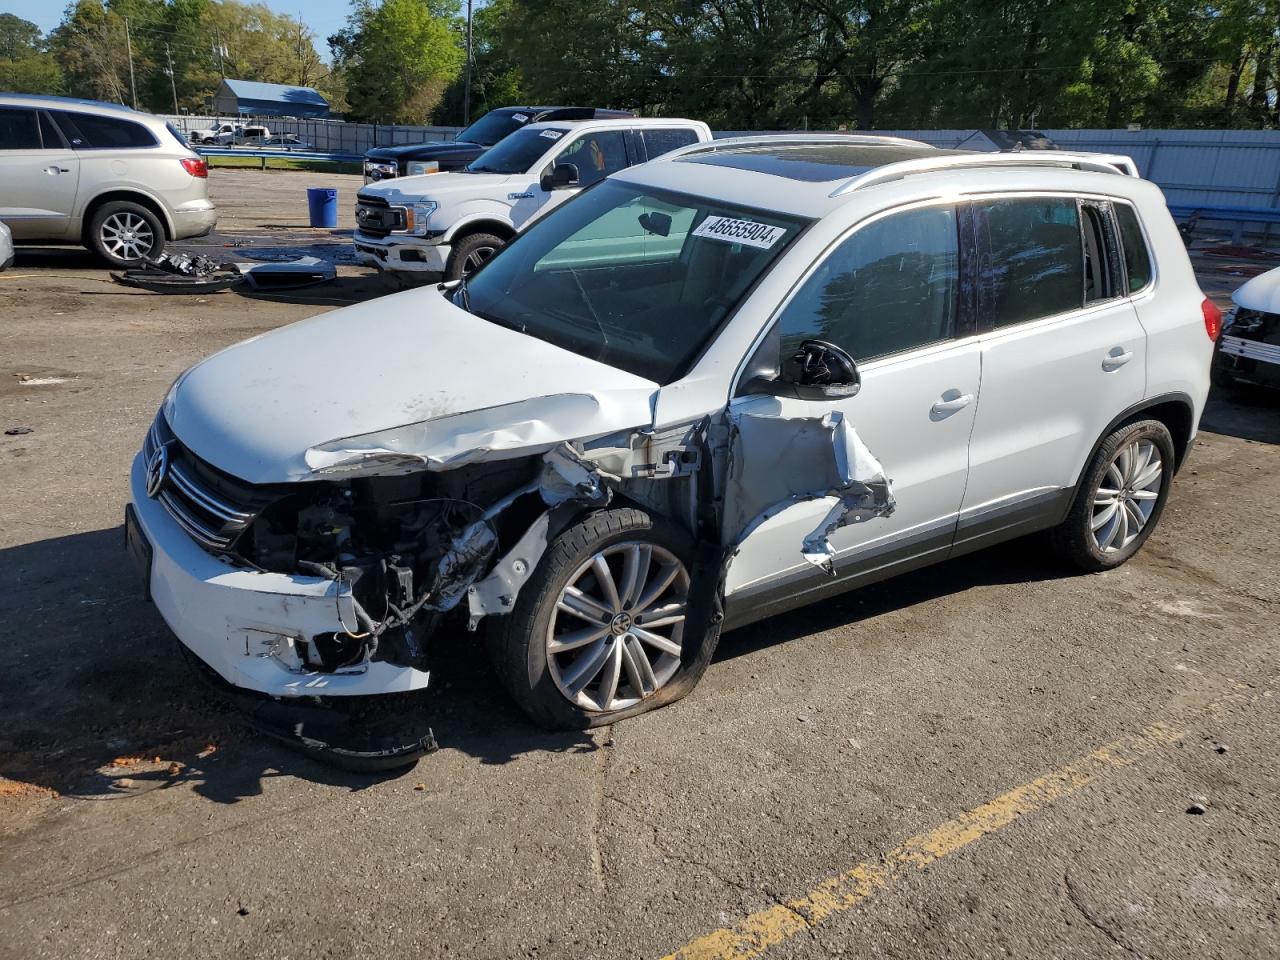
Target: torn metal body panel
<point>778,462</point>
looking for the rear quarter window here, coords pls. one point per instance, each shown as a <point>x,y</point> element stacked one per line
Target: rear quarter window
<point>658,142</point>
<point>1137,258</point>
<point>88,131</point>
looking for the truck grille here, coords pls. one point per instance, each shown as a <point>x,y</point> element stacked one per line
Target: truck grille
<point>198,497</point>
<point>376,217</point>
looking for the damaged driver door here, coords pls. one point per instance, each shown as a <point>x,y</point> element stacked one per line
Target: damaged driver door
<point>850,430</point>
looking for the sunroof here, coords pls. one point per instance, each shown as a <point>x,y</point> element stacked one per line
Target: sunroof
<point>815,163</point>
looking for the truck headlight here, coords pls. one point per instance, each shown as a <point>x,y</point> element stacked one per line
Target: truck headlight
<point>416,216</point>
<point>380,171</point>
<point>419,167</point>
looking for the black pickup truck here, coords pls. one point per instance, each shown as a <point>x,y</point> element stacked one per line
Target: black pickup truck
<point>383,163</point>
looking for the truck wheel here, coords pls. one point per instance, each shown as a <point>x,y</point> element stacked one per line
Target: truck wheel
<point>599,632</point>
<point>471,253</point>
<point>125,233</point>
<point>1120,499</point>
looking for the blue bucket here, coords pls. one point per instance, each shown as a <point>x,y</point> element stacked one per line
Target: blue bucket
<point>322,205</point>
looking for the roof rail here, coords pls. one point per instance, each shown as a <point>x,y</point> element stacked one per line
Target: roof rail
<point>792,140</point>
<point>1093,162</point>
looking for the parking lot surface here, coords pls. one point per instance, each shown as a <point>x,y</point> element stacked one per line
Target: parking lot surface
<point>989,758</point>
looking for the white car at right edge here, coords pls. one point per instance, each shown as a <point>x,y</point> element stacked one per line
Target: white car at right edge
<point>714,387</point>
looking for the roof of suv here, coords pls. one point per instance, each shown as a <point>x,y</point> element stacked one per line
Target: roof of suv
<point>36,100</point>
<point>811,174</point>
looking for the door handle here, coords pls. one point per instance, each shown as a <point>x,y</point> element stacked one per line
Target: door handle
<point>952,404</point>
<point>1117,358</point>
<point>54,170</point>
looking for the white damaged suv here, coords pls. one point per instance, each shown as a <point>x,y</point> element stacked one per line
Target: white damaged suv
<point>450,223</point>
<point>712,388</point>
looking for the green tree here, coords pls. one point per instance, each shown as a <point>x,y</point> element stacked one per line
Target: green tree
<point>26,66</point>
<point>398,58</point>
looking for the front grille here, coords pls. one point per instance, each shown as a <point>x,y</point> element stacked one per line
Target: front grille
<point>1250,349</point>
<point>198,497</point>
<point>376,217</point>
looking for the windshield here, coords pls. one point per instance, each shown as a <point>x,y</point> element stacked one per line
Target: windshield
<point>493,126</point>
<point>518,152</point>
<point>634,277</point>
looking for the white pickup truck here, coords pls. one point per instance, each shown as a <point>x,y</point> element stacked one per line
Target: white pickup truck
<point>451,223</point>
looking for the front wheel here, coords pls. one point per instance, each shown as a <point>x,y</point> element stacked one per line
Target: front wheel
<point>470,254</point>
<point>1120,499</point>
<point>602,630</point>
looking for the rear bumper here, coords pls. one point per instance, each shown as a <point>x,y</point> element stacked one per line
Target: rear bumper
<point>194,219</point>
<point>242,623</point>
<point>399,256</point>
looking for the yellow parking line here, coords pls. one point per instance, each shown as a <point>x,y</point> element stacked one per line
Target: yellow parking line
<point>17,276</point>
<point>755,934</point>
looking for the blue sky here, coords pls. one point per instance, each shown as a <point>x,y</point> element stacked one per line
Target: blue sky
<point>324,17</point>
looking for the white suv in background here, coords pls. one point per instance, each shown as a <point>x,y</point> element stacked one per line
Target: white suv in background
<point>715,387</point>
<point>115,180</point>
<point>451,223</point>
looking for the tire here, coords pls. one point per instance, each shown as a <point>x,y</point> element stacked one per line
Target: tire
<point>1123,463</point>
<point>540,679</point>
<point>470,253</point>
<point>124,233</point>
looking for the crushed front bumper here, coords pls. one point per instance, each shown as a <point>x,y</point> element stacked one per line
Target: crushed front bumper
<point>398,256</point>
<point>243,624</point>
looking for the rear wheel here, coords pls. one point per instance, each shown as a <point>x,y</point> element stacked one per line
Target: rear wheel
<point>600,632</point>
<point>1120,498</point>
<point>470,254</point>
<point>125,233</point>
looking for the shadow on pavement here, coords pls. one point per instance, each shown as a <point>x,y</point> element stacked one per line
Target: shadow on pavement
<point>1249,413</point>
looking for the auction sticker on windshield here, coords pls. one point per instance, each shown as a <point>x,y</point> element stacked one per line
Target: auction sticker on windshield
<point>762,235</point>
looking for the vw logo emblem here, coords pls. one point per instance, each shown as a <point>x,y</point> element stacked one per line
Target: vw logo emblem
<point>157,470</point>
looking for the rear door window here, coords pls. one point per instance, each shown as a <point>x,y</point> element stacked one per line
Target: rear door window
<point>658,142</point>
<point>1036,258</point>
<point>1137,259</point>
<point>19,129</point>
<point>92,132</point>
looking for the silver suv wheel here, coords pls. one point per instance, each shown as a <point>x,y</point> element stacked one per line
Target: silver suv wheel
<point>126,236</point>
<point>617,632</point>
<point>1127,495</point>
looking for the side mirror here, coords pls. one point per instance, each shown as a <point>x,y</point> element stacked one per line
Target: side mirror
<point>818,370</point>
<point>562,175</point>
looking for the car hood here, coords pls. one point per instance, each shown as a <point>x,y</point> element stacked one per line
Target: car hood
<point>408,189</point>
<point>299,402</point>
<point>424,151</point>
<point>1262,293</point>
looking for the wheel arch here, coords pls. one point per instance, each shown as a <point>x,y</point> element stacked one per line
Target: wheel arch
<point>1175,410</point>
<point>499,228</point>
<point>129,196</point>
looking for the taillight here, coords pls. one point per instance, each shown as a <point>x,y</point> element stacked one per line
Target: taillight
<point>1212,319</point>
<point>195,166</point>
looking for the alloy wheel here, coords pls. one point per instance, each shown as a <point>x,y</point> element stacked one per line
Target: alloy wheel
<point>1127,495</point>
<point>127,236</point>
<point>476,259</point>
<point>616,634</point>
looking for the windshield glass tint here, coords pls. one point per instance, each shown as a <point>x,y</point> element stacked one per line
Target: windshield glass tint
<point>635,278</point>
<point>518,152</point>
<point>492,127</point>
